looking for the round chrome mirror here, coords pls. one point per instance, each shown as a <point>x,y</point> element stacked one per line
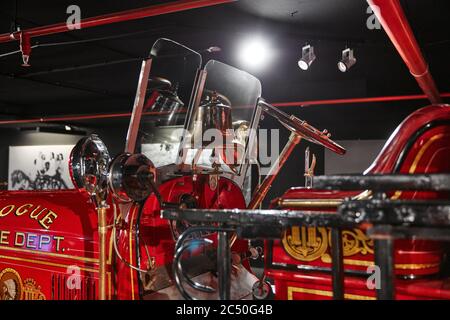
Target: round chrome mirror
<point>89,161</point>
<point>131,177</point>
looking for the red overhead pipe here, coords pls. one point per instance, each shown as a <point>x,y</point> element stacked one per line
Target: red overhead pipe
<point>393,19</point>
<point>85,117</point>
<point>354,100</point>
<point>278,104</point>
<point>134,14</point>
<point>24,36</point>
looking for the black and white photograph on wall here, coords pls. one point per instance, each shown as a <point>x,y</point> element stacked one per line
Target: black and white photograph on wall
<point>39,167</point>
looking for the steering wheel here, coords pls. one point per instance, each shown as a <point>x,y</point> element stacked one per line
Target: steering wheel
<point>302,128</point>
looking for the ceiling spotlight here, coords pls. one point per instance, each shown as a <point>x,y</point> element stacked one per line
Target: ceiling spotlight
<point>347,61</point>
<point>255,53</point>
<point>308,57</point>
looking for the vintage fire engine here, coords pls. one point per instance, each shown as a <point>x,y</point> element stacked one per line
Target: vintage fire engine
<point>313,252</point>
<point>134,230</point>
<point>318,245</point>
<point>106,239</point>
<point>300,262</point>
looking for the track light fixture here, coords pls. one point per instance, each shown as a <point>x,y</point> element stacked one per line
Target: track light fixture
<point>347,61</point>
<point>307,58</point>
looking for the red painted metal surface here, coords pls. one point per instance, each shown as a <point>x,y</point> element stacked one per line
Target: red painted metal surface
<point>156,231</point>
<point>317,286</point>
<point>46,258</point>
<point>49,256</point>
<point>393,19</point>
<point>421,144</point>
<point>385,161</point>
<point>140,13</point>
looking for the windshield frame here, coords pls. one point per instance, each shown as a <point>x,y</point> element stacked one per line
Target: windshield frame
<point>251,139</point>
<point>140,97</point>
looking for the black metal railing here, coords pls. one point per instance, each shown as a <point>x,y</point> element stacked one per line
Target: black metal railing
<point>385,220</point>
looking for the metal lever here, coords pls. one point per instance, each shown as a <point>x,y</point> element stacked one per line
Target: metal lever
<point>309,168</point>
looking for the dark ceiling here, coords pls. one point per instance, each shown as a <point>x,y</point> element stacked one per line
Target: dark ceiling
<point>96,70</point>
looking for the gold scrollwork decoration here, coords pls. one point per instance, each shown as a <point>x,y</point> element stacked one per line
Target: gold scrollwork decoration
<point>305,243</point>
<point>310,243</point>
<point>355,241</point>
<point>32,291</point>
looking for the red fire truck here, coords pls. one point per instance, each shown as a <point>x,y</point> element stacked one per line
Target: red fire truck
<point>106,239</point>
